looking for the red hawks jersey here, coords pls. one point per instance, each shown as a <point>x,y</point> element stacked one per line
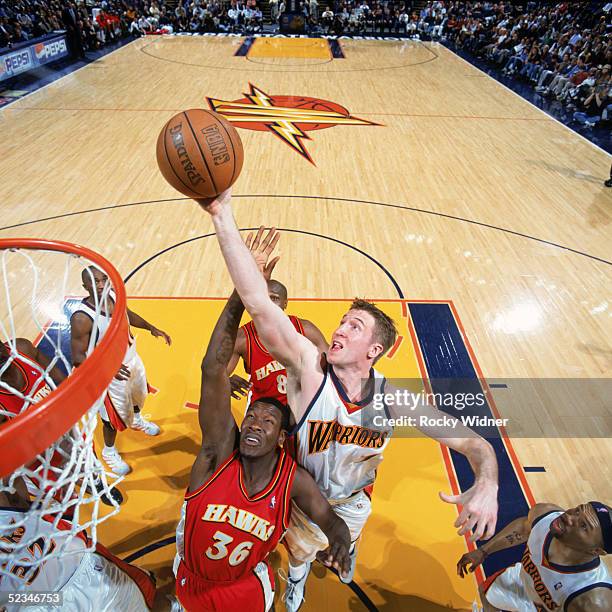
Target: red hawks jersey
<point>34,387</point>
<point>227,533</point>
<point>268,377</point>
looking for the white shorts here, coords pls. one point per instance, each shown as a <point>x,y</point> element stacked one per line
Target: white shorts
<point>507,592</point>
<point>98,585</point>
<point>123,395</point>
<point>304,539</point>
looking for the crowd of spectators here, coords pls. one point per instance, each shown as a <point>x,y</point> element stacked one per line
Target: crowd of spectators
<point>563,50</point>
<point>94,24</point>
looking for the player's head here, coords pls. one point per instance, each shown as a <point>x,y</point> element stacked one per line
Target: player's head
<point>94,281</point>
<point>586,528</point>
<point>278,293</point>
<point>365,334</point>
<point>264,427</point>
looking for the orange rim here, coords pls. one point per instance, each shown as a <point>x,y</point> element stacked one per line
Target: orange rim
<point>35,429</point>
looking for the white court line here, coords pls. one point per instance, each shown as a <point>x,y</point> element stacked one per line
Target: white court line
<point>31,93</point>
<point>525,100</point>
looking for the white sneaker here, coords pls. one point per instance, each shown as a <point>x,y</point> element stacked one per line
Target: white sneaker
<point>147,427</point>
<point>114,461</point>
<point>294,593</point>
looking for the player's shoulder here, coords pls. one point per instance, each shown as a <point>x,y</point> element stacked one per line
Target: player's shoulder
<point>25,347</point>
<point>81,318</point>
<point>596,599</point>
<point>539,511</point>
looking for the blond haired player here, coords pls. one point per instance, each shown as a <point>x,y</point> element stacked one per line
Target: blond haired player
<point>128,390</point>
<point>330,393</point>
<point>561,568</point>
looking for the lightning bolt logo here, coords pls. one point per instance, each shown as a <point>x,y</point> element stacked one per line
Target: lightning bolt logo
<point>278,114</point>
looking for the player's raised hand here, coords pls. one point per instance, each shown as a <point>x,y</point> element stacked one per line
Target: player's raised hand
<point>214,206</point>
<point>160,333</point>
<point>239,386</point>
<point>479,510</point>
<point>261,248</point>
<point>473,559</point>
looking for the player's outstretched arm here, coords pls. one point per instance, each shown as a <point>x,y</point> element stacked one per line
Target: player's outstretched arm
<point>273,326</point>
<point>215,415</point>
<point>514,533</point>
<point>307,496</point>
<point>479,502</point>
<point>137,321</point>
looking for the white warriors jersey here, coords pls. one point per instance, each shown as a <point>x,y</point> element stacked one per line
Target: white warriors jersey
<point>341,443</point>
<point>101,324</point>
<point>50,575</point>
<point>549,585</point>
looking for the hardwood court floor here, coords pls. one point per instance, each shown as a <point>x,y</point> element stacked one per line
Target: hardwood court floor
<point>462,191</point>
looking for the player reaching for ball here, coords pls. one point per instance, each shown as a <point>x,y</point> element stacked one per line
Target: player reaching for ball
<point>338,443</point>
<point>242,483</point>
<point>561,567</point>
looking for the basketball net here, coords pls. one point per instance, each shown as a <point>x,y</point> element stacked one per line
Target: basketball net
<point>52,427</point>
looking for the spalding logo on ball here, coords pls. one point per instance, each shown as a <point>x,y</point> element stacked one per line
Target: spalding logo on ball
<point>199,153</point>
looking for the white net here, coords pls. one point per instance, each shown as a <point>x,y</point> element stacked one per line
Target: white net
<point>49,507</point>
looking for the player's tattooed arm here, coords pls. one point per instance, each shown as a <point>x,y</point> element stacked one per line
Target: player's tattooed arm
<point>516,532</point>
<point>215,415</point>
<point>307,496</point>
<point>275,329</point>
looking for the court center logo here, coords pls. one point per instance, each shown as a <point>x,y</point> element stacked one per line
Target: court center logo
<point>287,117</point>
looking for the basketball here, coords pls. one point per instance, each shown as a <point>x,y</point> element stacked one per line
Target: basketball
<point>199,153</point>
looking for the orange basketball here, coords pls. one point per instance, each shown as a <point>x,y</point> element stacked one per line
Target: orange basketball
<point>199,153</point>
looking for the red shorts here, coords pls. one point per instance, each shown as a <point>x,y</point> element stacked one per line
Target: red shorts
<point>253,592</point>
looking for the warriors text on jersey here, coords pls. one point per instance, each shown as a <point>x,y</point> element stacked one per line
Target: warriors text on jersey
<point>338,441</point>
<point>268,377</point>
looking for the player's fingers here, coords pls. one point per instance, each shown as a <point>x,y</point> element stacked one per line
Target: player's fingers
<point>460,568</point>
<point>258,237</point>
<point>249,239</point>
<point>267,239</point>
<point>462,518</point>
<point>478,530</point>
<point>490,529</point>
<point>466,526</point>
<point>273,241</point>
<point>270,267</point>
<point>449,499</point>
